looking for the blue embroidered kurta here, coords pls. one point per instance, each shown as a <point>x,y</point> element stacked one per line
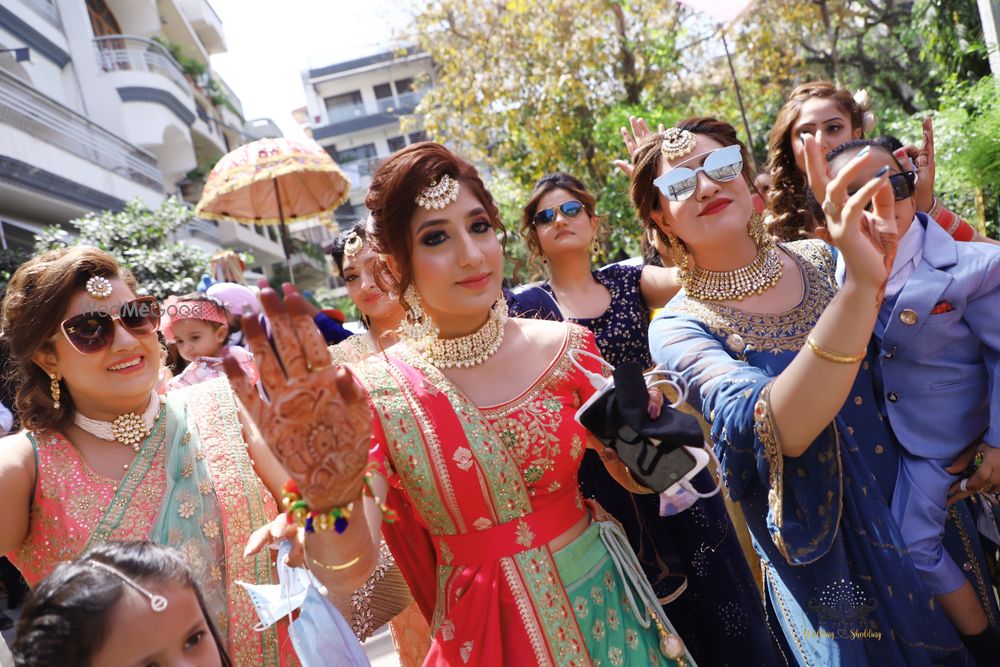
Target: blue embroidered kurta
<point>837,575</point>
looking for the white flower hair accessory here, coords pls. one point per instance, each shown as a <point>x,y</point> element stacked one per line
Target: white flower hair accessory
<point>864,102</point>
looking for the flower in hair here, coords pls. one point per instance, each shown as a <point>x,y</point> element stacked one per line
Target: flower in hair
<point>677,143</point>
<point>864,102</point>
<point>438,194</point>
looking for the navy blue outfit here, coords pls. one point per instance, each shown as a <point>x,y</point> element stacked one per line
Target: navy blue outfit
<point>693,560</point>
<point>838,577</point>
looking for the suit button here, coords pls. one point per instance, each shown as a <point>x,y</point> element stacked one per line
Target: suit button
<point>908,317</point>
<point>893,396</point>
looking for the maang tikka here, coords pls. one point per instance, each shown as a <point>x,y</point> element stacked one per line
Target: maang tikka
<point>438,194</point>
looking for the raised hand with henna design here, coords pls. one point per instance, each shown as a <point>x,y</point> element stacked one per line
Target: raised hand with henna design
<point>316,422</point>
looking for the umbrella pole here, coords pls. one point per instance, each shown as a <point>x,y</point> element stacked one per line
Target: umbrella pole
<point>286,239</point>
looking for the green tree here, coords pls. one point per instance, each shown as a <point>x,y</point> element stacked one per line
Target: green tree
<point>141,239</point>
<point>528,88</point>
<point>10,259</point>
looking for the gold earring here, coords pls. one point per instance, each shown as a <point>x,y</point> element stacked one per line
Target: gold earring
<point>678,253</point>
<point>54,390</point>
<point>757,231</point>
<point>417,325</point>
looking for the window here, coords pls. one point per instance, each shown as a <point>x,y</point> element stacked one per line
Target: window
<point>418,136</point>
<point>364,152</point>
<point>408,98</point>
<point>344,107</point>
<point>395,143</point>
<point>384,98</point>
<point>101,19</point>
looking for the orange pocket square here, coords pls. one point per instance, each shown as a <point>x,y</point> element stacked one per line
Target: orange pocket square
<point>942,307</point>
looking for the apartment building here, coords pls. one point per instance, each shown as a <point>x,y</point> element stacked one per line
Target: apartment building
<point>353,109</point>
<point>117,101</point>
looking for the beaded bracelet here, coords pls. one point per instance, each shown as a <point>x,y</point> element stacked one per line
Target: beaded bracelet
<point>338,518</point>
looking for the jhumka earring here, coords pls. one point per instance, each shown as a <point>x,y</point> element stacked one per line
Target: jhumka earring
<point>417,325</point>
<point>757,231</point>
<point>678,253</point>
<point>54,390</point>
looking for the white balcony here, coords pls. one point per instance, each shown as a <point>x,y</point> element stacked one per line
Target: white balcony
<point>159,107</point>
<point>255,238</point>
<point>206,24</point>
<point>124,53</point>
<point>26,110</point>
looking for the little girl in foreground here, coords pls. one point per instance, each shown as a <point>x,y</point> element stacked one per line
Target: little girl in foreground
<point>198,325</point>
<point>122,603</point>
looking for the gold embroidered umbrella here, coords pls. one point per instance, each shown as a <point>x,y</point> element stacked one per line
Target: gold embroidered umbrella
<point>272,182</point>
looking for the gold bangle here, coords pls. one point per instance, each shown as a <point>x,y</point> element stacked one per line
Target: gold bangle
<point>824,353</point>
<point>335,568</point>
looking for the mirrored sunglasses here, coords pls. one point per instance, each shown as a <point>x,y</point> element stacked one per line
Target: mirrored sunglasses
<point>570,209</point>
<point>93,331</point>
<point>721,165</point>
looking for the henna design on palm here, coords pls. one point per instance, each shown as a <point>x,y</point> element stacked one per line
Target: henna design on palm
<point>317,421</point>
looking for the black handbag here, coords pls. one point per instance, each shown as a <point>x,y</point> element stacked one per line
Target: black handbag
<point>652,449</point>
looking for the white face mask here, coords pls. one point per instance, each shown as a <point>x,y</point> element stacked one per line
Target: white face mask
<point>320,635</point>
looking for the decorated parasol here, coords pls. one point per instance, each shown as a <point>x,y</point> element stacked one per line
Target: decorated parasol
<point>273,182</point>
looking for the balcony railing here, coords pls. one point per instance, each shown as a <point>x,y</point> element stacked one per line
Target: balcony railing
<point>410,100</point>
<point>205,229</point>
<point>233,99</point>
<point>46,8</point>
<point>122,52</point>
<point>360,171</point>
<point>25,108</point>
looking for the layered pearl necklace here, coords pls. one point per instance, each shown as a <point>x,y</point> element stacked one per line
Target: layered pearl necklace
<point>129,429</point>
<point>475,348</point>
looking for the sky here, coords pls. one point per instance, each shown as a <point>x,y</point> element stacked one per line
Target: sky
<point>270,43</point>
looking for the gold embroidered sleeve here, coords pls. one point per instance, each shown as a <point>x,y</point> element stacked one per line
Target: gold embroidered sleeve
<point>767,433</point>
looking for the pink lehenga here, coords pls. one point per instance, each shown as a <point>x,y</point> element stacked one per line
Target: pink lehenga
<point>191,486</point>
<point>480,493</point>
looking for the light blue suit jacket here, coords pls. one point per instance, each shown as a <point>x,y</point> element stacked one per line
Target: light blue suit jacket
<point>941,372</point>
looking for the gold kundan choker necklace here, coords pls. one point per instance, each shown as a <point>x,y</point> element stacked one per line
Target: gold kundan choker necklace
<point>474,349</point>
<point>758,276</point>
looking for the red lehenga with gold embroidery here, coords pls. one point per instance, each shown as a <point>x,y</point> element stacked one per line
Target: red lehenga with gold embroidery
<point>479,493</point>
<point>191,486</point>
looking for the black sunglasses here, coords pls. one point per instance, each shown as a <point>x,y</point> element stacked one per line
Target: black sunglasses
<point>570,209</point>
<point>93,331</point>
<point>904,184</point>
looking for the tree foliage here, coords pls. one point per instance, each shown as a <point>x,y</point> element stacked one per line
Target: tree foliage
<point>141,239</point>
<point>526,88</point>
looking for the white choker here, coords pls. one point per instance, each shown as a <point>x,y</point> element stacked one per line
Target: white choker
<point>129,429</point>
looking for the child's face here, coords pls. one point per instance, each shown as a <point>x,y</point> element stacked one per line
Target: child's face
<point>905,208</point>
<point>198,338</point>
<point>178,636</point>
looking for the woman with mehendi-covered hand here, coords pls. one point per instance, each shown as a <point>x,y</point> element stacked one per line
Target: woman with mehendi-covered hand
<point>467,429</point>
